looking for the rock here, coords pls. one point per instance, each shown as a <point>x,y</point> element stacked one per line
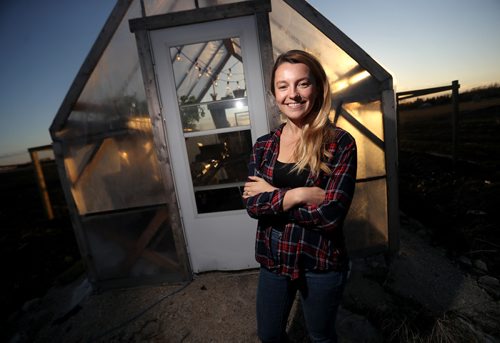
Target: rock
<point>491,285</point>
<point>149,329</point>
<point>489,281</point>
<point>355,328</point>
<point>465,261</point>
<point>481,266</point>
<point>422,274</point>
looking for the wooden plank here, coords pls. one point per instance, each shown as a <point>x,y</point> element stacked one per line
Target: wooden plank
<point>41,148</point>
<point>76,171</point>
<point>98,153</point>
<point>267,61</point>
<point>81,239</point>
<point>200,15</point>
<point>391,166</point>
<point>145,238</point>
<point>342,40</point>
<point>455,119</point>
<point>42,185</point>
<point>129,246</point>
<point>419,92</point>
<point>360,127</point>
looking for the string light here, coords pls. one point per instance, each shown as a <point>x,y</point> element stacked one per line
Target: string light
<point>205,70</point>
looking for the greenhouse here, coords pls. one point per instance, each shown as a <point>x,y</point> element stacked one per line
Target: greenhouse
<point>153,137</point>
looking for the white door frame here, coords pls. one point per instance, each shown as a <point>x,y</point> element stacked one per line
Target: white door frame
<point>221,240</point>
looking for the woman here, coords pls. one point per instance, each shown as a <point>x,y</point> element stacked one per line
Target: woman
<point>301,183</point>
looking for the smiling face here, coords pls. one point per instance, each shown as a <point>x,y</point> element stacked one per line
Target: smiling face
<point>295,90</point>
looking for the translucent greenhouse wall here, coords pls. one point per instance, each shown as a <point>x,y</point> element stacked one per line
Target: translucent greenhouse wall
<point>109,153</point>
<point>356,92</point>
<point>110,162</point>
<point>122,202</point>
<point>123,219</point>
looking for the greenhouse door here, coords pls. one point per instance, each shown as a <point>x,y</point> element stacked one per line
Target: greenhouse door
<point>210,83</point>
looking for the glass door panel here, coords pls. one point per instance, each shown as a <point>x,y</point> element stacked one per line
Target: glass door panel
<point>213,109</point>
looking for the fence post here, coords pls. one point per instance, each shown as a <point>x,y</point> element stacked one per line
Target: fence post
<point>42,186</point>
<point>455,119</point>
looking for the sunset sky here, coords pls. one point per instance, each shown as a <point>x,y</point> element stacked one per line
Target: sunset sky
<point>422,43</point>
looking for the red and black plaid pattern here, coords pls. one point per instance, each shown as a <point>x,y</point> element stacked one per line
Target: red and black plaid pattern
<point>312,237</point>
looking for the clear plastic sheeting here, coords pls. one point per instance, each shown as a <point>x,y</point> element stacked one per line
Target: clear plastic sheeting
<point>368,132</point>
<point>366,221</point>
<point>357,109</point>
<point>132,245</point>
<point>114,91</point>
<point>109,152</point>
<point>289,30</point>
<point>114,173</point>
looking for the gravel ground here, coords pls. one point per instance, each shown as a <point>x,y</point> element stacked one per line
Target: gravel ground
<point>421,294</point>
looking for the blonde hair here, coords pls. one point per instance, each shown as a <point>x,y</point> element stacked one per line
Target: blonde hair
<point>317,130</point>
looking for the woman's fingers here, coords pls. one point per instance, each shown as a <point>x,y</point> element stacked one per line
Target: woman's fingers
<point>255,186</point>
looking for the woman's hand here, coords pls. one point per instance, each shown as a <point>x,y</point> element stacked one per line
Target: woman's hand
<point>255,186</point>
<point>303,196</point>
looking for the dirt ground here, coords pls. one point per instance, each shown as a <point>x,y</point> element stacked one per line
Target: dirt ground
<point>451,207</point>
<point>400,301</point>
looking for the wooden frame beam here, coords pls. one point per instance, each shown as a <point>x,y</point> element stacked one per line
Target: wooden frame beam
<point>200,15</point>
<point>40,178</point>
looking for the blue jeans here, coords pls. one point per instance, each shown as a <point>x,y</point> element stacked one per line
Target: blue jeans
<point>320,295</point>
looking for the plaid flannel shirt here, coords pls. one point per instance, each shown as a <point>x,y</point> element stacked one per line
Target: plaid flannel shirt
<point>312,237</point>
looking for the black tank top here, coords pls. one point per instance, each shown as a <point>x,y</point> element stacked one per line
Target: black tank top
<point>284,177</point>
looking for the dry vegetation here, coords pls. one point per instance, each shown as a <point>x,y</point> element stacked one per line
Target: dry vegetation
<point>35,252</point>
<point>458,200</point>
